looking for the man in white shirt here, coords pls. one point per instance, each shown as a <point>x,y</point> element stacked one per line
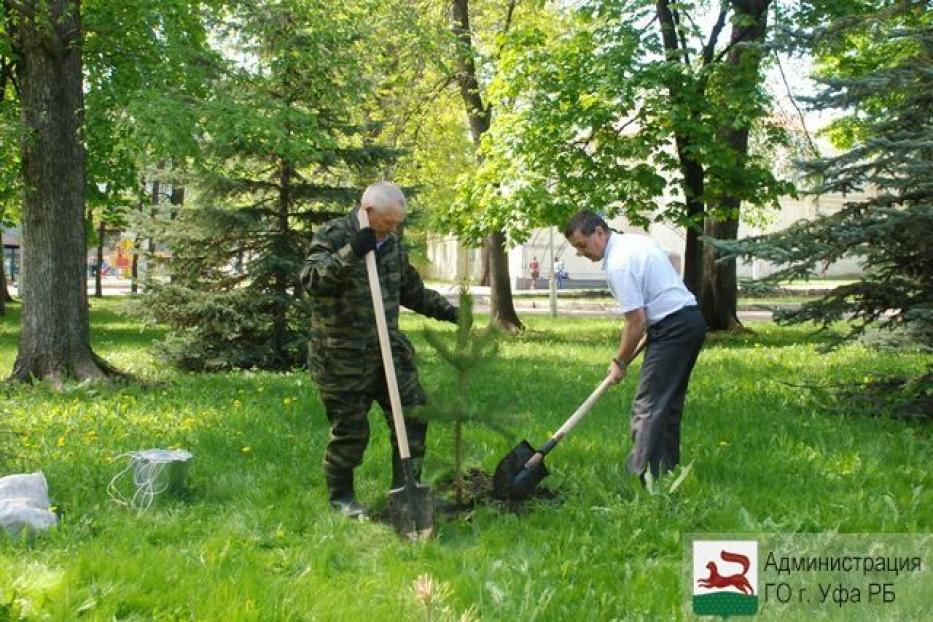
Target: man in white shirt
<point>653,299</point>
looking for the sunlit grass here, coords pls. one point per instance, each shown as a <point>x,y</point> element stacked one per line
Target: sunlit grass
<point>253,539</point>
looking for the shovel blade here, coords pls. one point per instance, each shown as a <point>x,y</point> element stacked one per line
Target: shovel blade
<point>410,509</point>
<point>512,480</point>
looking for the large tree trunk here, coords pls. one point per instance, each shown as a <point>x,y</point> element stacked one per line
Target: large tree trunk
<point>719,290</point>
<point>692,185</point>
<point>55,338</point>
<point>502,309</point>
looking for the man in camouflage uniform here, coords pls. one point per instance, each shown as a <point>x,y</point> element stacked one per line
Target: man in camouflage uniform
<point>345,357</point>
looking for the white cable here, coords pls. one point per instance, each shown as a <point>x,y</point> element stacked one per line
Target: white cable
<point>147,467</point>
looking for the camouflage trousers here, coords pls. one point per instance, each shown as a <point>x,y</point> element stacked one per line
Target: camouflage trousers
<point>348,413</point>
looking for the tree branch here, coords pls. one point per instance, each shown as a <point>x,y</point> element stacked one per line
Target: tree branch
<point>479,112</point>
<point>508,16</point>
<point>710,46</point>
<point>668,30</point>
<point>680,34</point>
<point>790,96</point>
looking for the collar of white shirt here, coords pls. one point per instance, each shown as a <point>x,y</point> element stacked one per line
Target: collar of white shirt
<point>614,238</point>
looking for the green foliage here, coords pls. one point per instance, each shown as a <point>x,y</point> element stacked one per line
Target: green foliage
<point>587,118</point>
<point>255,538</point>
<point>284,148</point>
<point>223,329</point>
<point>883,76</point>
<point>148,68</point>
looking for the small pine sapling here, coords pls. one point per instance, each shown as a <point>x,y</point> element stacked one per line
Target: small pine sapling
<point>468,350</point>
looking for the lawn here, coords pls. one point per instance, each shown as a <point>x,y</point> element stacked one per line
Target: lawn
<point>254,540</point>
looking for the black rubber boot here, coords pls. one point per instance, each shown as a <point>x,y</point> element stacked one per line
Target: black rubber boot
<point>342,497</point>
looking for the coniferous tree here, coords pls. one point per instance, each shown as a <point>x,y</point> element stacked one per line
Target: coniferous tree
<point>880,68</point>
<point>283,150</point>
<point>467,351</point>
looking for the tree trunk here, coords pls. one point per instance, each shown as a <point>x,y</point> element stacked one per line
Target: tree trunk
<point>153,208</point>
<point>98,282</point>
<point>134,276</point>
<point>134,268</point>
<point>484,277</point>
<point>690,169</point>
<point>458,462</point>
<point>502,309</point>
<point>55,339</point>
<point>693,184</point>
<point>718,299</point>
<point>280,279</point>
<point>3,291</point>
<point>719,290</point>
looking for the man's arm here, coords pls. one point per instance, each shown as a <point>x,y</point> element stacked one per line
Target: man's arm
<point>632,332</point>
<point>328,261</point>
<point>420,299</point>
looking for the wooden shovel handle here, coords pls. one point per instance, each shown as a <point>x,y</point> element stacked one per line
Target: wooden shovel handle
<point>578,414</point>
<point>587,405</point>
<point>385,346</point>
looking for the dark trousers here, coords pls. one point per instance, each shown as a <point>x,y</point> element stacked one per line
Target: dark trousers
<point>673,346</point>
<point>348,413</point>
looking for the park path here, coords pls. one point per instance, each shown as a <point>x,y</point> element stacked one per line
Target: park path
<point>579,302</point>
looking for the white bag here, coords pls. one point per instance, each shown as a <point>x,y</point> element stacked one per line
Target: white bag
<point>24,504</point>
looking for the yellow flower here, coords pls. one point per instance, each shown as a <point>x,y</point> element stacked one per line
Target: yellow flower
<point>246,449</point>
<point>61,441</point>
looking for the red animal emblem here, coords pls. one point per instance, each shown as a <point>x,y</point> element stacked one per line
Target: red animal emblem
<point>738,581</point>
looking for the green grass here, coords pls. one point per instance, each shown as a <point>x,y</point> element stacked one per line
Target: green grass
<point>254,539</point>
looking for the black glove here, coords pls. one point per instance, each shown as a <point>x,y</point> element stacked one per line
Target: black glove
<point>363,241</point>
<point>449,314</point>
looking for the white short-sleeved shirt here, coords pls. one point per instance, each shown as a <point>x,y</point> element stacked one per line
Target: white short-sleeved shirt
<point>640,275</point>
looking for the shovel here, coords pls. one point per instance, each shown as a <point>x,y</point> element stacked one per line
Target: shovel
<point>410,507</point>
<point>523,468</point>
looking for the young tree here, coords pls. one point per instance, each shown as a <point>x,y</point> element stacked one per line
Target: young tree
<point>879,68</point>
<point>465,353</point>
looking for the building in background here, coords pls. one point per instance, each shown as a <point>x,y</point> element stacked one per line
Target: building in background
<point>11,254</point>
<point>450,261</point>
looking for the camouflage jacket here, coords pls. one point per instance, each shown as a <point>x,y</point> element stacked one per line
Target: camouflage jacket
<point>344,346</point>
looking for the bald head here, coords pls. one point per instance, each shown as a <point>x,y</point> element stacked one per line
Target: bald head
<point>386,207</point>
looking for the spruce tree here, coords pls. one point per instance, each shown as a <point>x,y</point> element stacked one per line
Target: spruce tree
<point>465,351</point>
<point>284,149</point>
<point>880,68</point>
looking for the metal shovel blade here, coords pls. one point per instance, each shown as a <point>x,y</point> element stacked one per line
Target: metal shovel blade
<point>511,479</point>
<point>410,508</point>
